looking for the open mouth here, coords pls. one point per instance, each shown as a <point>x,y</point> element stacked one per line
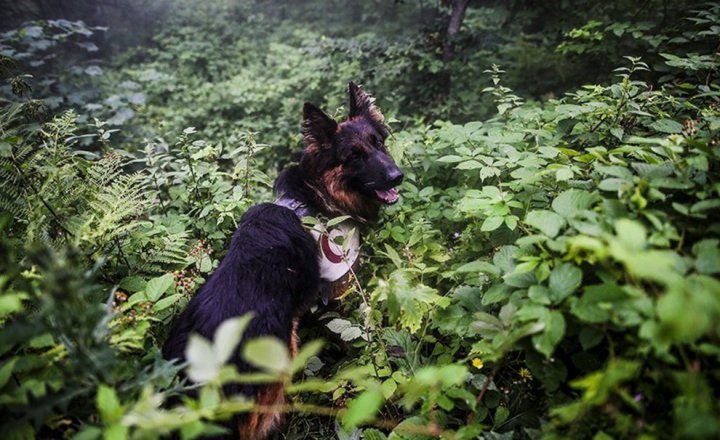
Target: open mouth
<point>388,196</point>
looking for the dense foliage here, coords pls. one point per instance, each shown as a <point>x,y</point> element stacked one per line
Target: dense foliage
<point>552,269</point>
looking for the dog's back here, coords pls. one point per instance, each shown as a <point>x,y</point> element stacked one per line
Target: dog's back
<point>270,270</point>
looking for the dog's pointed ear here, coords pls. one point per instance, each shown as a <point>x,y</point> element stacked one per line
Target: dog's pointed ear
<point>362,104</point>
<point>318,128</point>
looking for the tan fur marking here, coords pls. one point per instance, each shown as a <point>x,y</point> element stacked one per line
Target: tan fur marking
<point>259,426</point>
<point>294,339</point>
<point>341,200</point>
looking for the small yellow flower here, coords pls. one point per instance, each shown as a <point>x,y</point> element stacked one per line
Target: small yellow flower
<point>477,363</point>
<point>525,374</point>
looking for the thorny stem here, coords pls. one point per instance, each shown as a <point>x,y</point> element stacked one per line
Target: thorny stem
<point>249,156</point>
<point>484,389</point>
<point>122,254</point>
<point>431,429</point>
<point>366,323</point>
<point>152,163</point>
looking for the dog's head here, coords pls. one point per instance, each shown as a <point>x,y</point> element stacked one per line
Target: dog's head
<point>347,163</point>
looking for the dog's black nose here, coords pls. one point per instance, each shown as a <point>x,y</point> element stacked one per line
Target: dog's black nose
<point>395,176</point>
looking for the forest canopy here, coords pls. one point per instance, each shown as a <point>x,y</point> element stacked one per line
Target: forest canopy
<point>552,269</point>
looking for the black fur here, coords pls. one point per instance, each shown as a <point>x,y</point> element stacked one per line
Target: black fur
<point>270,269</point>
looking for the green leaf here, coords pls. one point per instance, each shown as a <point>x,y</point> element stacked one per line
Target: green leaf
<point>394,256</point>
<point>267,353</point>
<point>471,164</point>
<point>539,294</point>
<point>202,364</point>
<point>166,302</point>
<point>631,234</point>
<point>351,333</point>
<point>492,223</point>
<point>307,351</point>
<point>362,408</point>
<point>373,434</point>
<point>496,293</point>
<point>478,266</point>
<point>157,286</point>
<point>450,159</point>
<point>546,221</point>
<point>228,336</point>
<point>11,303</point>
<point>563,174</point>
<point>389,386</point>
<point>572,202</point>
<point>552,334</point>
<point>408,428</point>
<point>667,126</point>
<point>337,220</point>
<point>501,414</point>
<point>618,132</point>
<point>108,405</point>
<point>133,284</point>
<point>6,370</point>
<point>338,325</point>
<point>564,280</point>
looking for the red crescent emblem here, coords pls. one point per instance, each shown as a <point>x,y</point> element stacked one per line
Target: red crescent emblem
<point>327,250</point>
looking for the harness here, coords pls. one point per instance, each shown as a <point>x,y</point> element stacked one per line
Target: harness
<point>334,261</point>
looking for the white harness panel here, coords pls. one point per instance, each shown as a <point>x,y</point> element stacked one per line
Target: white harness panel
<point>333,259</point>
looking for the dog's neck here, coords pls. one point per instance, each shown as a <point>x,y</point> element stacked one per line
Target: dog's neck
<point>335,260</point>
<point>293,184</point>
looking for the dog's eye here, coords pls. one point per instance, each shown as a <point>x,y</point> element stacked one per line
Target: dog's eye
<point>357,153</point>
<point>379,144</point>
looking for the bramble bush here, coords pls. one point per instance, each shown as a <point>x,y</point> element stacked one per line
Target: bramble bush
<point>550,272</point>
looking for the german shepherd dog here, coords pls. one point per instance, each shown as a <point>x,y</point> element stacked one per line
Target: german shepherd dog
<point>273,266</point>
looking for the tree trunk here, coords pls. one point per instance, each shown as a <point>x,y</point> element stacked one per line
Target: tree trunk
<point>456,18</point>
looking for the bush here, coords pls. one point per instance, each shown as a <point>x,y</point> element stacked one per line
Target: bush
<point>551,271</point>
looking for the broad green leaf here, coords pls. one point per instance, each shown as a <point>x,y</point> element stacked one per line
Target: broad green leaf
<point>552,334</point>
<point>157,286</point>
<point>667,126</point>
<point>631,234</point>
<point>108,404</point>
<point>6,370</point>
<point>478,266</point>
<point>572,202</point>
<point>351,333</point>
<point>202,364</point>
<point>450,159</point>
<point>11,303</point>
<point>267,353</point>
<point>564,280</point>
<point>307,351</point>
<point>373,434</point>
<point>539,294</point>
<point>563,174</point>
<point>546,221</point>
<point>362,408</point>
<point>496,293</point>
<point>166,302</point>
<point>338,325</point>
<point>389,386</point>
<point>492,223</point>
<point>228,336</point>
<point>501,414</point>
<point>337,220</point>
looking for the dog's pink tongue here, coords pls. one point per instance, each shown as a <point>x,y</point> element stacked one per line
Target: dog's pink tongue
<point>388,196</point>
